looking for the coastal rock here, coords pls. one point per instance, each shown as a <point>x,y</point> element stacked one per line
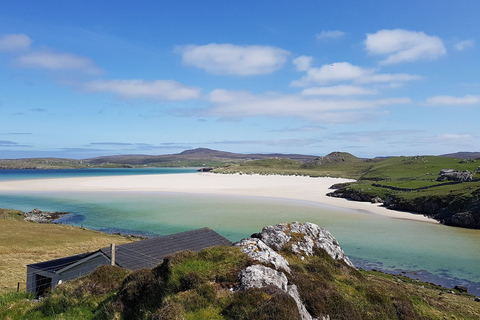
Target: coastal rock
<point>258,276</point>
<point>258,250</point>
<point>461,289</point>
<point>463,219</point>
<point>377,200</point>
<point>39,216</point>
<point>454,175</point>
<point>303,237</point>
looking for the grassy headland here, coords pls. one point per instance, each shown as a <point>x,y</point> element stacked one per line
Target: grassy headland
<point>401,183</point>
<point>191,285</point>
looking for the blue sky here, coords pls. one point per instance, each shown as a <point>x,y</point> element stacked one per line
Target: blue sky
<point>80,79</point>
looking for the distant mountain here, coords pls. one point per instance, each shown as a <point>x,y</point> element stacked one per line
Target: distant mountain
<point>203,154</point>
<point>463,155</point>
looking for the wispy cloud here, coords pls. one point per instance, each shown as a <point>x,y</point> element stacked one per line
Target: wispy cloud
<point>400,45</point>
<point>167,90</point>
<point>374,135</point>
<point>6,143</point>
<point>242,104</point>
<point>450,100</point>
<point>303,63</point>
<point>330,34</point>
<point>347,72</point>
<point>14,42</point>
<point>47,59</point>
<point>301,129</point>
<point>229,59</point>
<point>465,44</point>
<point>340,90</point>
<point>127,146</point>
<point>273,142</point>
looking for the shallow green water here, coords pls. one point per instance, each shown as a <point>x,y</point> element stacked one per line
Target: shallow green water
<point>443,255</point>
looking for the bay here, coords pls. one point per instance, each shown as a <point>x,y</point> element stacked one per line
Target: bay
<point>443,255</point>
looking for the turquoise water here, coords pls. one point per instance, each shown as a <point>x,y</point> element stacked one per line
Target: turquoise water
<point>433,252</point>
<point>27,174</point>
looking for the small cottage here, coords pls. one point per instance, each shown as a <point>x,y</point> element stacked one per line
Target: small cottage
<point>44,276</point>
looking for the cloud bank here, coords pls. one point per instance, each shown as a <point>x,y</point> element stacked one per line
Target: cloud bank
<point>14,42</point>
<point>229,59</point>
<point>167,90</point>
<point>400,45</point>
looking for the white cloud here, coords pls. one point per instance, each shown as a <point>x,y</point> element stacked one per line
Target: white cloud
<point>345,71</point>
<point>449,100</point>
<point>339,71</point>
<point>160,89</point>
<point>388,77</point>
<point>229,59</point>
<point>14,42</point>
<point>303,63</point>
<point>331,34</point>
<point>241,104</point>
<point>449,138</point>
<point>404,46</point>
<point>340,90</point>
<point>462,45</point>
<point>47,59</point>
<point>373,136</point>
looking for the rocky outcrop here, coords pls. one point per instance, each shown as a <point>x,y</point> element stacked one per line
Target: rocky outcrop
<point>39,216</point>
<point>355,195</point>
<point>454,175</point>
<point>258,250</point>
<point>258,276</point>
<point>451,209</point>
<point>301,239</point>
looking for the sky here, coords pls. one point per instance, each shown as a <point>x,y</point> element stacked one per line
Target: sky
<point>80,79</point>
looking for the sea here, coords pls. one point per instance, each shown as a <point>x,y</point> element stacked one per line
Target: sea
<point>431,252</point>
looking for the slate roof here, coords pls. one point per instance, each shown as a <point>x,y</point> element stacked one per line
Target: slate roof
<point>149,253</point>
<point>57,264</point>
<point>146,253</point>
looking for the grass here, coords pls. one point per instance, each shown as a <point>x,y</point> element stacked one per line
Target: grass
<point>23,242</point>
<point>191,285</point>
<point>291,167</point>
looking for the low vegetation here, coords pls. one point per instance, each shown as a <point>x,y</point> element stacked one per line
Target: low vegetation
<point>199,285</point>
<point>402,183</point>
<point>23,242</point>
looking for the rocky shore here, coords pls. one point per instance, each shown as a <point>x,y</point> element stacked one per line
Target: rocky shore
<point>39,216</point>
<point>449,209</point>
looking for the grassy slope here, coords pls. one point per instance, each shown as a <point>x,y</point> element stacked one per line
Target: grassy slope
<point>197,286</point>
<point>23,243</point>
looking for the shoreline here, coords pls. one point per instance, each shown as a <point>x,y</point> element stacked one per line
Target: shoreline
<point>297,188</point>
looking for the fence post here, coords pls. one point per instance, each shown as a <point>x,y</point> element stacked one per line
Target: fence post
<point>112,248</point>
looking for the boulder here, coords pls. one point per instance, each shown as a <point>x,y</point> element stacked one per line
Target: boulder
<point>454,175</point>
<point>461,289</point>
<point>303,237</point>
<point>258,250</point>
<point>258,276</point>
<point>39,216</point>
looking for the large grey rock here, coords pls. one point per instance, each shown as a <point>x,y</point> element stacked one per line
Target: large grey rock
<point>258,276</point>
<point>258,250</point>
<point>303,237</point>
<point>454,175</point>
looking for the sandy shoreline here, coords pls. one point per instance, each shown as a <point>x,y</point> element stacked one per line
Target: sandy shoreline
<point>282,187</point>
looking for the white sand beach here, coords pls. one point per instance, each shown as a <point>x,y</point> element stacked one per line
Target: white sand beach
<point>273,186</point>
